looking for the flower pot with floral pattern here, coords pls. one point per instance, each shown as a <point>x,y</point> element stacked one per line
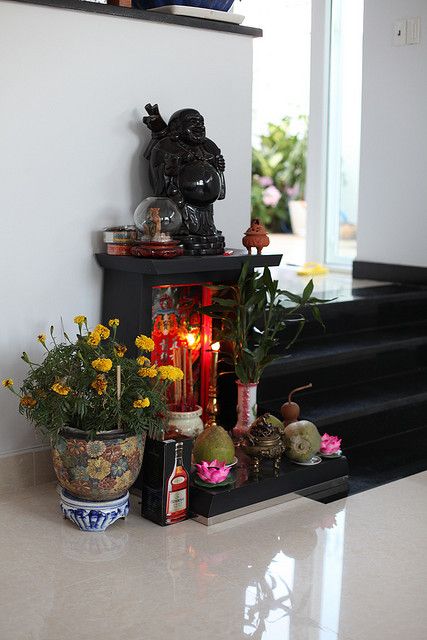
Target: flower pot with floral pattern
<point>100,469</point>
<point>96,407</point>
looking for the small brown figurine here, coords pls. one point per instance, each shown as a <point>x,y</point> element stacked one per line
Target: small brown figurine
<point>256,237</point>
<point>290,410</point>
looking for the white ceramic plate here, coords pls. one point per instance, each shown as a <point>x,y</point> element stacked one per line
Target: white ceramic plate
<point>197,12</point>
<point>338,454</point>
<point>314,460</point>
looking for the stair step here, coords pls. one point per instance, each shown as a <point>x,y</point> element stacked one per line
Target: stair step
<point>369,308</point>
<point>330,350</point>
<point>387,460</point>
<point>360,400</point>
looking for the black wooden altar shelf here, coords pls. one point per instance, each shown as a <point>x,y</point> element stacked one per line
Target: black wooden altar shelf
<point>128,283</point>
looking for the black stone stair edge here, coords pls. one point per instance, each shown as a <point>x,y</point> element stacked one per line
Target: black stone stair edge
<point>414,293</point>
<point>358,400</point>
<point>303,356</point>
<point>398,434</point>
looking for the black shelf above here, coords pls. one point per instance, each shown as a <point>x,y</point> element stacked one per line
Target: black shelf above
<point>185,264</point>
<point>150,16</point>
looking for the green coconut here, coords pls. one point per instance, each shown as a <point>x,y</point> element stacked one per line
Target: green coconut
<point>214,443</point>
<point>302,440</point>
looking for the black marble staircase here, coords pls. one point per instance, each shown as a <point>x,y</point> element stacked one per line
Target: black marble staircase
<point>369,375</point>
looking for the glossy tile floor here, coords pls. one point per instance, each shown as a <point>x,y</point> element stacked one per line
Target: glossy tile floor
<point>351,570</point>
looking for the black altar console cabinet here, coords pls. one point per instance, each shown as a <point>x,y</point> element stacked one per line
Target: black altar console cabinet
<point>129,282</point>
<point>162,299</point>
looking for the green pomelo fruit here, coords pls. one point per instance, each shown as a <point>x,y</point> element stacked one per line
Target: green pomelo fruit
<point>275,422</point>
<point>214,443</point>
<point>271,420</point>
<point>302,440</point>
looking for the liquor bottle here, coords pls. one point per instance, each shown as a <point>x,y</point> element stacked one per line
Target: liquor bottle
<point>177,489</point>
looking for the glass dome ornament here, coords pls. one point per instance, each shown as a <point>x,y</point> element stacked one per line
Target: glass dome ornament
<point>158,219</point>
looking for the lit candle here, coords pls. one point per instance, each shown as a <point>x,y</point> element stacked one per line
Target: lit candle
<point>212,408</point>
<point>190,341</point>
<point>215,346</point>
<point>184,369</point>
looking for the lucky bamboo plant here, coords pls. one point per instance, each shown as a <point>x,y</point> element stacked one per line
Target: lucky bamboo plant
<point>252,314</point>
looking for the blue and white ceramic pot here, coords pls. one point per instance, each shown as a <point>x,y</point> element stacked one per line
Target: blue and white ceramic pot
<point>102,469</point>
<point>216,5</point>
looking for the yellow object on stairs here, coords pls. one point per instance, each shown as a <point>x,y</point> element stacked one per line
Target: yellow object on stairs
<point>312,269</point>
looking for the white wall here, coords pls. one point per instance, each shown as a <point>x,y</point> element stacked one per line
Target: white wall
<point>393,184</point>
<point>72,89</point>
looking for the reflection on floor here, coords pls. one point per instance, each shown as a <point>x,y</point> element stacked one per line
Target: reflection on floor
<point>351,570</point>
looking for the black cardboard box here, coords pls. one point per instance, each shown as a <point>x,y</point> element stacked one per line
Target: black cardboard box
<point>157,466</point>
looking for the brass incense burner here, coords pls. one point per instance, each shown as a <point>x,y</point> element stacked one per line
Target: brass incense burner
<point>263,441</point>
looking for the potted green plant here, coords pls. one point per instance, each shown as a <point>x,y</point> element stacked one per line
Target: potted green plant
<point>278,173</point>
<point>96,407</point>
<point>294,175</point>
<point>252,313</point>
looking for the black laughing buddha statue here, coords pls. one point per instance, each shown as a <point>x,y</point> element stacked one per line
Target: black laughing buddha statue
<point>188,168</point>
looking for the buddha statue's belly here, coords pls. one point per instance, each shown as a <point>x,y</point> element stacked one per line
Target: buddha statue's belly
<point>199,183</point>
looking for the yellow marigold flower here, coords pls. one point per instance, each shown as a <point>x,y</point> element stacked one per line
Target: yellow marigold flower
<point>80,320</point>
<point>103,331</point>
<point>102,364</point>
<point>141,404</point>
<point>120,350</point>
<point>94,339</point>
<point>60,389</point>
<point>147,372</point>
<point>143,361</point>
<point>7,382</point>
<point>28,401</point>
<point>144,343</point>
<point>99,384</point>
<point>114,322</point>
<point>168,372</point>
<point>41,338</point>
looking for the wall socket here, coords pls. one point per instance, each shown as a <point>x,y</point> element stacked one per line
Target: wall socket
<point>406,31</point>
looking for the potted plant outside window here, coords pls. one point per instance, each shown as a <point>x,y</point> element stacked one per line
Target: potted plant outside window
<point>279,175</point>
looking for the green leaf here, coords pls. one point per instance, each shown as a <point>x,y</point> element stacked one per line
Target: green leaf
<point>307,291</point>
<point>225,302</point>
<point>293,297</point>
<point>316,315</point>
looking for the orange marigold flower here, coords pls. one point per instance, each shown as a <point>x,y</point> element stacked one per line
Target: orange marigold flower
<point>102,364</point>
<point>144,343</point>
<point>103,331</point>
<point>114,322</point>
<point>120,350</point>
<point>7,382</point>
<point>147,372</point>
<point>94,339</point>
<point>141,404</point>
<point>60,389</point>
<point>27,401</point>
<point>99,384</point>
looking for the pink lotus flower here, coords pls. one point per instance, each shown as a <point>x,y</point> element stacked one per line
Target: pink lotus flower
<point>271,196</point>
<point>212,472</point>
<point>330,444</point>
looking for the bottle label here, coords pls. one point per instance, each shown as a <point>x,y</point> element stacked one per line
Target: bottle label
<point>177,501</point>
<point>176,481</point>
